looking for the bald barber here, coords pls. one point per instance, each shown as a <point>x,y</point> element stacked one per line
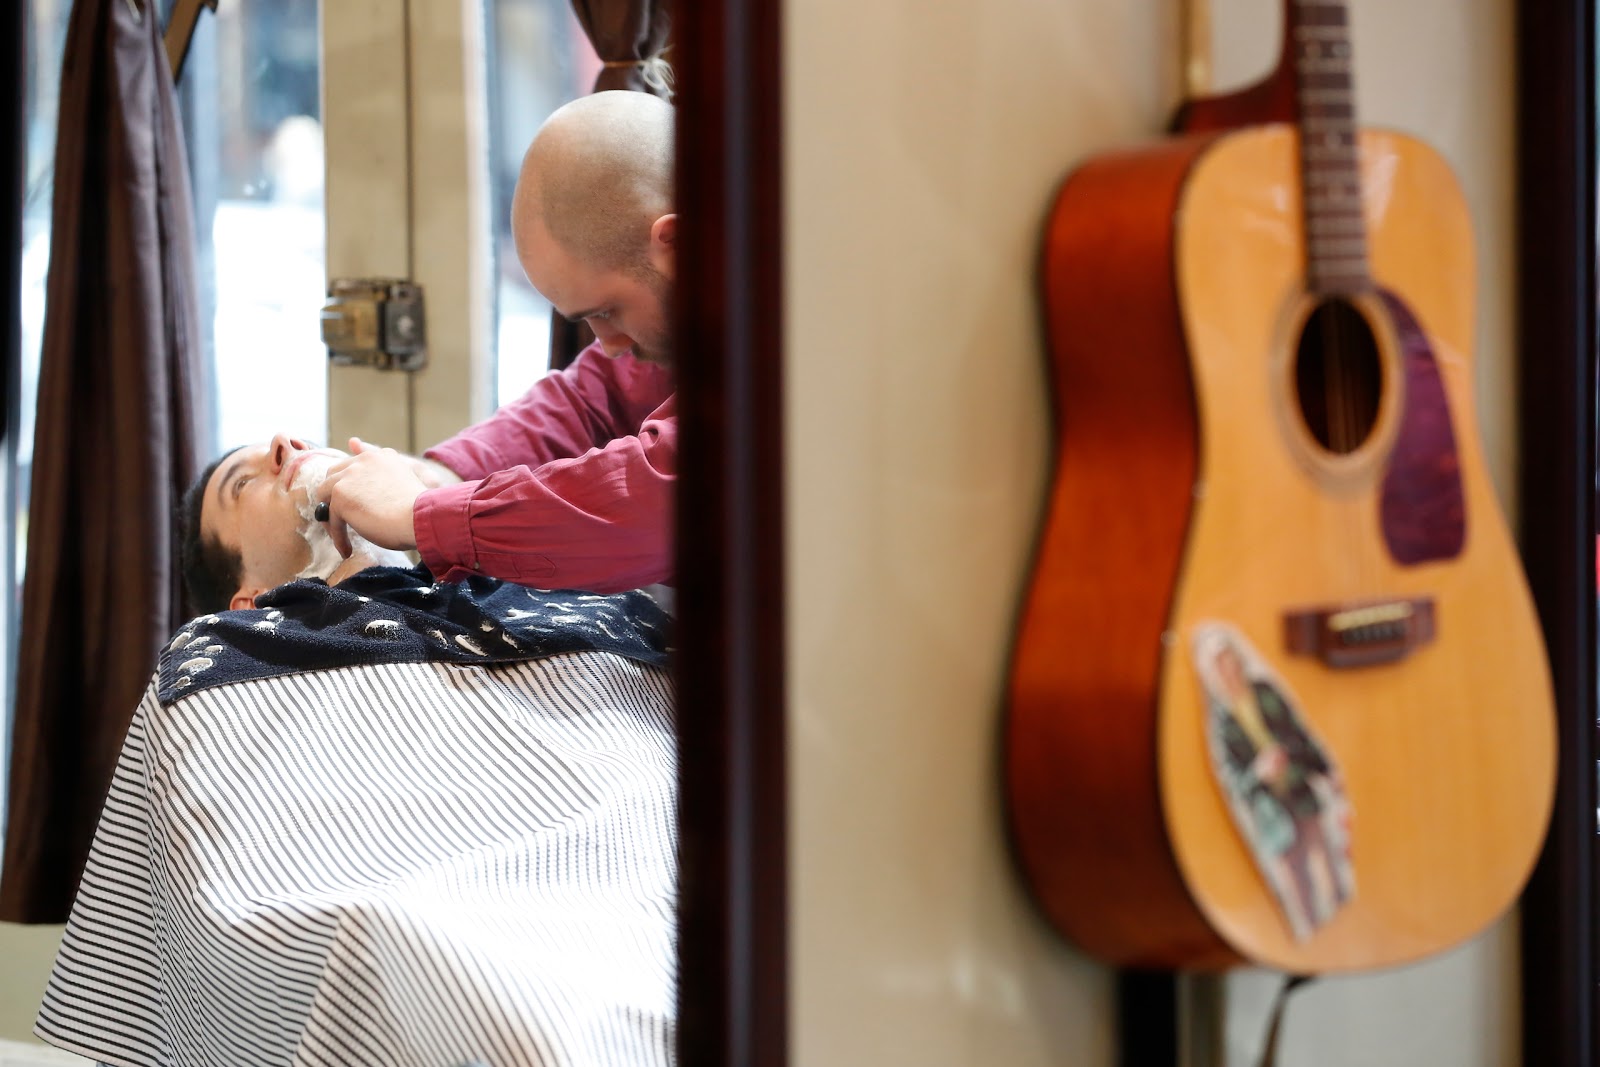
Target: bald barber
<point>570,486</point>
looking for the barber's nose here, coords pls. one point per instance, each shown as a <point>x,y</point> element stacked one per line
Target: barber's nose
<point>283,449</point>
<point>613,341</point>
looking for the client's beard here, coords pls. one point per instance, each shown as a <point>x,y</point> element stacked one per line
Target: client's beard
<point>325,558</point>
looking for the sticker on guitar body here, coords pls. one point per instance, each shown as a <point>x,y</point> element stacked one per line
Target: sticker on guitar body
<point>1280,783</point>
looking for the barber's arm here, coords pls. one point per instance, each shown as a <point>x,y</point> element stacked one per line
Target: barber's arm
<point>432,473</point>
<point>596,414</point>
<point>562,415</point>
<point>601,521</point>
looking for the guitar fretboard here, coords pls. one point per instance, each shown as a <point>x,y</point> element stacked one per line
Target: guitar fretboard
<point>1336,240</point>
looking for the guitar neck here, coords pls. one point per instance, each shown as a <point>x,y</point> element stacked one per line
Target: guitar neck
<point>1336,243</point>
<point>1196,49</point>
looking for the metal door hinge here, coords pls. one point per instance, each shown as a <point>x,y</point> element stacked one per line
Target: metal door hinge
<point>375,322</point>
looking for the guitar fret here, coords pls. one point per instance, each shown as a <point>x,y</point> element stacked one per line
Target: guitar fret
<point>1342,239</point>
<point>1352,206</point>
<point>1341,284</point>
<point>1335,224</point>
<point>1330,142</point>
<point>1324,79</point>
<point>1344,186</point>
<point>1348,279</point>
<point>1333,207</point>
<point>1332,181</point>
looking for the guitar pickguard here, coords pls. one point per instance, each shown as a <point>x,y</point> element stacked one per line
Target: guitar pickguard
<point>1423,511</point>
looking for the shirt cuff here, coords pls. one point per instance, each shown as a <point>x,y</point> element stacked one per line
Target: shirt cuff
<point>444,533</point>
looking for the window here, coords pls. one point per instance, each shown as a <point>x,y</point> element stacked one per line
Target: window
<point>539,58</point>
<point>47,32</point>
<point>249,97</point>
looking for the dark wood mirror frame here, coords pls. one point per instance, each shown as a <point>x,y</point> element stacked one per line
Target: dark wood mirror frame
<point>733,916</point>
<point>1556,342</point>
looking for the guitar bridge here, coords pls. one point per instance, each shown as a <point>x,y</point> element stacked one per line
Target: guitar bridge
<point>1360,635</point>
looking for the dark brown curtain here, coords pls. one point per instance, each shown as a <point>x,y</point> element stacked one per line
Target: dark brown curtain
<point>630,37</point>
<point>116,439</point>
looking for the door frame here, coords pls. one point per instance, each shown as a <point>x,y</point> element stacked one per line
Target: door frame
<point>406,195</point>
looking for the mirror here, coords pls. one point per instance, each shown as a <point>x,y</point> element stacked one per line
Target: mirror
<point>261,144</point>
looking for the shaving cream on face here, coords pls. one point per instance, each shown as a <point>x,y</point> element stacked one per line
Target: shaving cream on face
<point>325,558</point>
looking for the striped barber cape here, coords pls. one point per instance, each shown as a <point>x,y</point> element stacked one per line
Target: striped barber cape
<point>463,853</point>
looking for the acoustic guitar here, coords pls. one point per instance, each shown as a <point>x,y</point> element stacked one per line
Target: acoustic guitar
<point>1278,693</point>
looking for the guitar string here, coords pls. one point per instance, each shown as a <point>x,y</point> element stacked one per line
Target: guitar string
<point>1347,407</point>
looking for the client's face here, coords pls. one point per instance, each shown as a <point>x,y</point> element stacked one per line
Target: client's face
<point>258,502</point>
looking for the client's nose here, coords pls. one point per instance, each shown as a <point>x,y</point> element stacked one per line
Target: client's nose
<point>283,449</point>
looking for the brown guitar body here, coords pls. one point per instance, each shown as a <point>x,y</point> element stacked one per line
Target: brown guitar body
<point>1187,490</point>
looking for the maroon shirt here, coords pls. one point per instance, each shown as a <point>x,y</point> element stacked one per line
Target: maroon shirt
<point>567,487</point>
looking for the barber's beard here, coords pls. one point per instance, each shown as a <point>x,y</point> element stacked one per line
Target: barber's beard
<point>325,557</point>
<point>658,348</point>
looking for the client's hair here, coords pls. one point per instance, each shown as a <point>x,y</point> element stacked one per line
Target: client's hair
<point>210,570</point>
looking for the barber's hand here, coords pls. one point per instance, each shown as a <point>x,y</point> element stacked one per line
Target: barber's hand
<point>373,493</point>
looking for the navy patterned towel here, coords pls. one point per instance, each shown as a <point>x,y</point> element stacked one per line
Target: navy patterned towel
<point>399,615</point>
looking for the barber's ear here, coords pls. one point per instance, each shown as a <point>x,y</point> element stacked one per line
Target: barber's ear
<point>245,599</point>
<point>664,243</point>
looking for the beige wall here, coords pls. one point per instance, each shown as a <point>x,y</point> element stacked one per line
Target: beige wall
<point>923,145</point>
<point>26,953</point>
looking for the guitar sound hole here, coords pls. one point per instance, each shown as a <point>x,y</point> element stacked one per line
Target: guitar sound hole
<point>1338,376</point>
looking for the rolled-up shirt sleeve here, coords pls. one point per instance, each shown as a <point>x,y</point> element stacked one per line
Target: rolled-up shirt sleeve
<point>600,521</point>
<point>564,414</point>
